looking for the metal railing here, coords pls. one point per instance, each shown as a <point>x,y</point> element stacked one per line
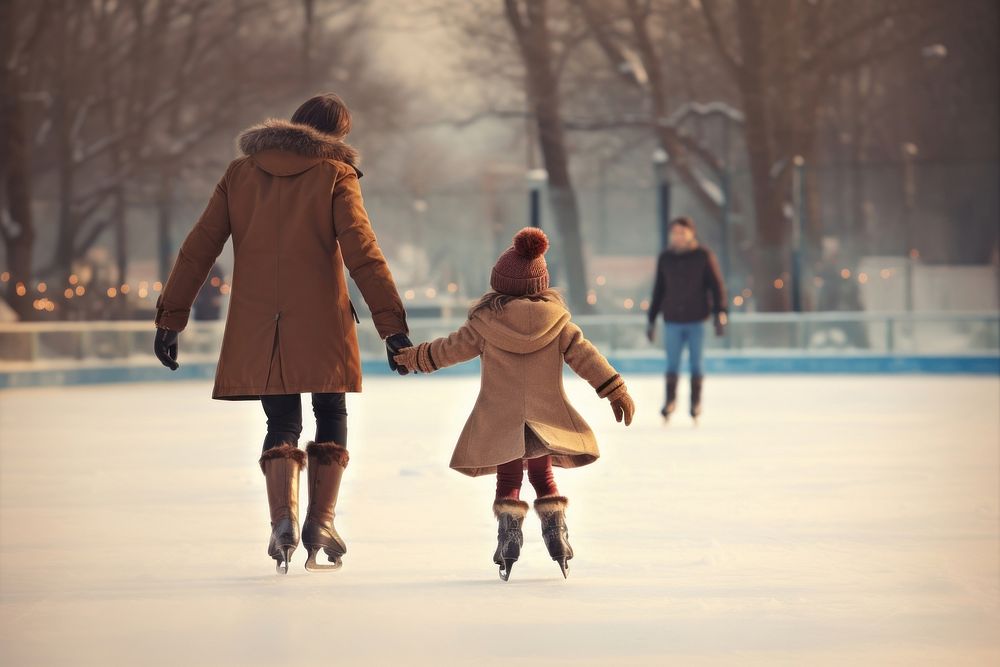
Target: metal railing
<point>34,344</point>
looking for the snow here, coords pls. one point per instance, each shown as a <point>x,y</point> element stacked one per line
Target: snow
<point>807,520</point>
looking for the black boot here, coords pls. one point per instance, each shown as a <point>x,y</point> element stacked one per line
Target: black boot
<point>281,466</point>
<point>552,511</point>
<point>510,538</point>
<point>696,382</point>
<point>671,403</point>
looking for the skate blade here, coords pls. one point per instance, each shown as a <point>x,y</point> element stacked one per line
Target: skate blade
<point>505,569</point>
<point>282,565</point>
<point>313,566</point>
<point>564,566</point>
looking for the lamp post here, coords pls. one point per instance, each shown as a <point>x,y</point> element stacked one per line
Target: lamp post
<point>660,168</point>
<point>909,151</point>
<point>798,212</point>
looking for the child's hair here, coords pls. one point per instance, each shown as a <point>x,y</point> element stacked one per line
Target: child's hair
<point>495,301</point>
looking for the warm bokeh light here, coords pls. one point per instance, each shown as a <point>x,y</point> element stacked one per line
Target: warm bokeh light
<point>112,292</point>
<point>778,283</point>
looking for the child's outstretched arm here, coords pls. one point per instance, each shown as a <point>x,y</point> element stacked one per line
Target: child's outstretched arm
<point>587,362</point>
<point>455,348</point>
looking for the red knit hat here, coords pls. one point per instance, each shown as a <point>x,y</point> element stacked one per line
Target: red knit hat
<point>520,270</point>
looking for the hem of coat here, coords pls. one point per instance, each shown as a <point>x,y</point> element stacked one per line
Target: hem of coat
<point>558,461</point>
<point>254,393</point>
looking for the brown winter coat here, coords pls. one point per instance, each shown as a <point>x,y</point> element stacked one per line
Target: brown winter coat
<point>293,207</point>
<point>522,410</point>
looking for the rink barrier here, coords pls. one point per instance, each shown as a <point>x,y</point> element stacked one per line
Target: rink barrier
<point>717,363</point>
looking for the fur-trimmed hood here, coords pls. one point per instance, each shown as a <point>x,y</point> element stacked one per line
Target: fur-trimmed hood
<point>303,140</point>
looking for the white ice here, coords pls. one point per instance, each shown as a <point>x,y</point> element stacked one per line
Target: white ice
<point>807,520</point>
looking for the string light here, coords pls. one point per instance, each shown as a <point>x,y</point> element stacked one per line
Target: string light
<point>629,304</point>
<point>80,290</point>
<point>125,289</point>
<point>409,294</point>
<point>112,292</point>
<point>644,304</point>
<point>216,281</point>
<point>862,277</point>
<point>747,293</point>
<point>68,293</point>
<point>601,280</point>
<point>73,279</point>
<point>845,273</point>
<point>42,287</point>
<point>452,287</point>
<point>20,290</point>
<point>143,292</point>
<point>157,286</point>
<point>430,293</point>
<point>778,283</point>
<point>5,276</point>
<point>885,273</point>
<point>224,289</point>
<point>591,297</point>
<point>737,300</point>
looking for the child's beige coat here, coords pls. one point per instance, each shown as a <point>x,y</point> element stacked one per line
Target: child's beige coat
<point>522,410</point>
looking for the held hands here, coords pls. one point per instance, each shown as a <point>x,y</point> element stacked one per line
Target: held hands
<point>407,358</point>
<point>393,345</point>
<point>165,348</point>
<point>721,320</point>
<point>417,359</point>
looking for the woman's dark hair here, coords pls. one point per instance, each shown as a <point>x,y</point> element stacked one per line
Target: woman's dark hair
<point>327,113</point>
<point>683,221</point>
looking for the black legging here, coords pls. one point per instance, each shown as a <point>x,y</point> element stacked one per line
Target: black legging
<point>284,418</point>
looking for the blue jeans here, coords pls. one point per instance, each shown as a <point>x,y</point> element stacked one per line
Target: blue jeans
<point>678,334</point>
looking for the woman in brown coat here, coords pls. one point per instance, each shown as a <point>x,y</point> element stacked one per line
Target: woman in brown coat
<point>522,418</point>
<point>292,205</point>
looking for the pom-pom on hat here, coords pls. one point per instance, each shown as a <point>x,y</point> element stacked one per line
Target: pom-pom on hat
<point>521,270</point>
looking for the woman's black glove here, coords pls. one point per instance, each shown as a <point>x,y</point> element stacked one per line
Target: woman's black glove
<point>393,344</point>
<point>165,347</point>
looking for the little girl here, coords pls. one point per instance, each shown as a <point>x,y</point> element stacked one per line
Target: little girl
<point>522,418</point>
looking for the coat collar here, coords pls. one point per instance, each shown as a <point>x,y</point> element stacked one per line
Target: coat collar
<point>302,140</point>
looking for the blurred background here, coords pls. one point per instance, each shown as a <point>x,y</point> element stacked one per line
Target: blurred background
<point>839,156</point>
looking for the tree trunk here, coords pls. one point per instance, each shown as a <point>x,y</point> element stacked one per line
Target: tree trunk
<point>532,33</point>
<point>15,187</point>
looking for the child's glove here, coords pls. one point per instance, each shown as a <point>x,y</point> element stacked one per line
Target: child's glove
<point>621,403</point>
<point>407,358</point>
<point>416,359</point>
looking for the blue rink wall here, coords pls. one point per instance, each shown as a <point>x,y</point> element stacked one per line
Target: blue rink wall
<point>719,363</point>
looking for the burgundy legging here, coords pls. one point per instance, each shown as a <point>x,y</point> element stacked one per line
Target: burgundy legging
<point>510,474</point>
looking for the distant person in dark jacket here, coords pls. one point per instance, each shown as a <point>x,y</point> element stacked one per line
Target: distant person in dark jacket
<point>688,288</point>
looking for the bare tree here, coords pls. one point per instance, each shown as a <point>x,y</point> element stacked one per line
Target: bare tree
<point>783,56</point>
<point>528,20</point>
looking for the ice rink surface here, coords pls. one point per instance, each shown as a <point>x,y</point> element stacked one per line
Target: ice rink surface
<point>808,520</point>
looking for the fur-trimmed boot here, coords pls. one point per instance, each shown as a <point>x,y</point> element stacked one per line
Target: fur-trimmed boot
<point>281,466</point>
<point>327,462</point>
<point>552,511</point>
<point>510,515</point>
<point>671,403</point>
<point>696,384</point>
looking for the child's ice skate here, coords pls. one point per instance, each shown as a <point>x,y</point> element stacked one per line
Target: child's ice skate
<point>552,511</point>
<point>510,538</point>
